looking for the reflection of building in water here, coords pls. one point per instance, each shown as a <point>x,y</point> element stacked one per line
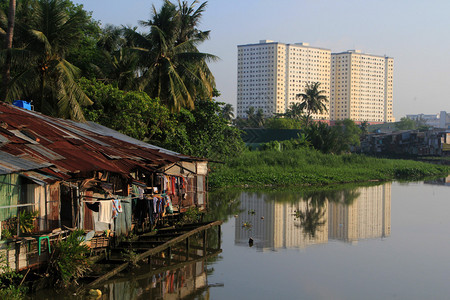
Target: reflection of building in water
<point>367,216</point>
<point>175,283</point>
<point>278,228</point>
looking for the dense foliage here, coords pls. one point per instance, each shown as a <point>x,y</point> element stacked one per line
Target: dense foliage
<point>46,31</point>
<point>147,85</point>
<point>306,166</point>
<point>171,67</point>
<point>202,132</point>
<point>10,281</point>
<point>55,42</point>
<point>69,260</point>
<point>133,113</point>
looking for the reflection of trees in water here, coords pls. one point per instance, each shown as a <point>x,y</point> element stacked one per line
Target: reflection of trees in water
<point>223,204</point>
<point>312,217</point>
<point>346,194</point>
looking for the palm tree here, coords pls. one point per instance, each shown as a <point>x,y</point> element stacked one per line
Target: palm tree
<point>364,127</point>
<point>171,66</point>
<point>42,73</point>
<point>255,118</point>
<point>8,46</point>
<point>295,111</point>
<point>228,112</point>
<point>120,65</point>
<point>189,19</point>
<point>312,100</point>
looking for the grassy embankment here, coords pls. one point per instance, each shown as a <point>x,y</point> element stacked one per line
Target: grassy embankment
<point>311,167</point>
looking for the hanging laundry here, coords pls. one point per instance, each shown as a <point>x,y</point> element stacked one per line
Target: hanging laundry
<point>169,207</point>
<point>155,205</point>
<point>141,211</point>
<point>166,183</point>
<point>173,185</point>
<point>105,211</point>
<point>93,206</point>
<point>117,208</point>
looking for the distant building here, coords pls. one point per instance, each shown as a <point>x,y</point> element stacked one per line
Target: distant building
<point>361,87</point>
<point>434,142</point>
<point>440,120</point>
<point>271,74</point>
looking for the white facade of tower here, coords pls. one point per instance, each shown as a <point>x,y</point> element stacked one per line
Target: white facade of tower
<point>361,87</point>
<point>271,74</point>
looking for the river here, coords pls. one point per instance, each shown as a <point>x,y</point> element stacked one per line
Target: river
<point>387,241</point>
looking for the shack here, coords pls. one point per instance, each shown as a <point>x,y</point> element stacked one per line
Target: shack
<point>58,175</point>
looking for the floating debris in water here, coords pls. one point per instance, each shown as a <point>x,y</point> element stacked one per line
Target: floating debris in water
<point>247,225</point>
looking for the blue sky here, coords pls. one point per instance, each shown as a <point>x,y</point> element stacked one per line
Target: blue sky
<point>416,33</point>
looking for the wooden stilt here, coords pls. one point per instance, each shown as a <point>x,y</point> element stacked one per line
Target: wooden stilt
<point>204,242</point>
<point>187,248</point>
<point>158,249</point>
<point>169,255</point>
<point>218,236</point>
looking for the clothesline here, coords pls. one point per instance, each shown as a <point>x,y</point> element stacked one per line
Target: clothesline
<point>107,199</point>
<point>124,201</point>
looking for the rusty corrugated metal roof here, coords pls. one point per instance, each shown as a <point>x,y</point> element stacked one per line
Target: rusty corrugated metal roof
<point>31,141</point>
<point>12,164</point>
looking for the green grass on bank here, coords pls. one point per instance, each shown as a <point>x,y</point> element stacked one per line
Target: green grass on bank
<point>310,167</point>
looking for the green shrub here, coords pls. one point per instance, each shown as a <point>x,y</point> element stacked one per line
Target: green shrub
<point>307,166</point>
<point>192,215</point>
<point>10,285</point>
<point>69,260</point>
<point>26,224</point>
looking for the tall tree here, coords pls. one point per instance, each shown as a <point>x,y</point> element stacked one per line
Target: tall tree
<point>255,118</point>
<point>406,124</point>
<point>228,112</point>
<point>172,67</point>
<point>295,111</point>
<point>312,100</point>
<point>49,30</point>
<point>119,63</point>
<point>347,135</point>
<point>189,19</point>
<point>8,46</point>
<point>203,132</point>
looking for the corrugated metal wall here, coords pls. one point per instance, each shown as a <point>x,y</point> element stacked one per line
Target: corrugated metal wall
<point>9,195</point>
<point>53,206</point>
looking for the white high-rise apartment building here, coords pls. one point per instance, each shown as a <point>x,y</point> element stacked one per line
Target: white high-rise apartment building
<point>361,87</point>
<point>271,74</point>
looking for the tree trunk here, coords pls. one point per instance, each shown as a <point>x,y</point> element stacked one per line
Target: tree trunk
<point>8,47</point>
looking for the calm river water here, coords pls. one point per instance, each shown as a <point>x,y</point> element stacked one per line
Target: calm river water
<point>389,241</point>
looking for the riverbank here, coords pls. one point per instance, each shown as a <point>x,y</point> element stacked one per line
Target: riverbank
<point>310,167</point>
